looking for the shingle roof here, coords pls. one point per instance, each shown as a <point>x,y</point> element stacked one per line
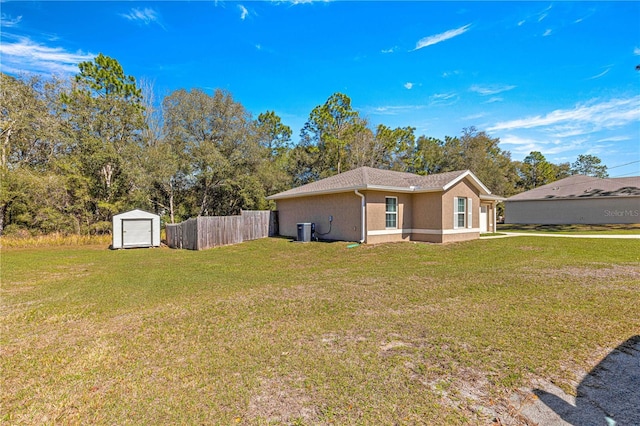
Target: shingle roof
<point>369,178</point>
<point>580,186</point>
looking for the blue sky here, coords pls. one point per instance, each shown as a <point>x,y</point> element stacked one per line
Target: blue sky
<point>556,77</point>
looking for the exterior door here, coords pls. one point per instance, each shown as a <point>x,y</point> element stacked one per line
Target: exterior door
<point>483,218</point>
<point>137,232</point>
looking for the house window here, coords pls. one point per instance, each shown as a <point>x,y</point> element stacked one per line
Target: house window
<point>391,210</point>
<point>460,210</point>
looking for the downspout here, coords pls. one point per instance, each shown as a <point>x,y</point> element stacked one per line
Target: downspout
<point>362,215</point>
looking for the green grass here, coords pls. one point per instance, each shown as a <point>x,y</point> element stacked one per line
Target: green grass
<point>273,332</point>
<point>572,229</point>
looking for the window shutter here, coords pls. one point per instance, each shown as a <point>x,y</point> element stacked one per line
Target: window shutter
<point>455,212</point>
<point>470,217</point>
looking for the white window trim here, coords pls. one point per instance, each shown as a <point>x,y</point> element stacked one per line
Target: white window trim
<point>456,213</point>
<point>387,212</point>
<point>470,215</point>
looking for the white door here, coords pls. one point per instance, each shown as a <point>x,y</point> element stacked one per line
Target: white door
<point>136,232</point>
<point>483,218</point>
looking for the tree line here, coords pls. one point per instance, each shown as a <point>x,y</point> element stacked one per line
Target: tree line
<point>75,152</point>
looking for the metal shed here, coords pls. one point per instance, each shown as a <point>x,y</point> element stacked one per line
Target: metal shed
<point>136,228</point>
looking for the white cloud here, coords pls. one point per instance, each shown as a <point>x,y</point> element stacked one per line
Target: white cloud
<point>438,38</point>
<point>537,16</point>
<point>243,12</point>
<point>145,16</point>
<point>391,50</point>
<point>588,118</point>
<point>443,96</point>
<point>448,74</point>
<point>542,15</point>
<point>636,51</point>
<point>547,33</point>
<point>491,90</point>
<point>473,117</point>
<point>615,139</point>
<point>523,146</point>
<point>603,73</point>
<point>25,55</point>
<point>443,99</point>
<point>392,109</point>
<point>408,85</point>
<point>297,2</point>
<point>8,21</point>
<point>494,100</point>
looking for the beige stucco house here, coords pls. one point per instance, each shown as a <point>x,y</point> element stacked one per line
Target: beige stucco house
<point>578,199</point>
<point>374,206</point>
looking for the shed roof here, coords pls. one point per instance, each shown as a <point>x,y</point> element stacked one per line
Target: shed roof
<point>136,213</point>
<point>583,187</point>
<point>368,178</point>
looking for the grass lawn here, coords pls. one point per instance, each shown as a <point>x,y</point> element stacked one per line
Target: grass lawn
<point>273,332</point>
<point>572,229</point>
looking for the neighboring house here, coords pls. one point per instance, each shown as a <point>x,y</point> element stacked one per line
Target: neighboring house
<point>578,199</point>
<point>374,206</point>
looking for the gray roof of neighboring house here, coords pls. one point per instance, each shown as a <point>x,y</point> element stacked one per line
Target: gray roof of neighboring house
<point>583,187</point>
<point>364,178</point>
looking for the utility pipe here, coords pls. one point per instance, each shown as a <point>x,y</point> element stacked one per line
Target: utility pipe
<point>362,213</point>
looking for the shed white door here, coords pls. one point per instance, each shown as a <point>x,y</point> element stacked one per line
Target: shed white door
<point>136,232</point>
<point>483,218</point>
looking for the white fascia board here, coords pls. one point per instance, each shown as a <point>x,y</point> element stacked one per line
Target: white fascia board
<point>355,188</point>
<point>474,179</point>
<point>319,192</point>
<point>401,189</point>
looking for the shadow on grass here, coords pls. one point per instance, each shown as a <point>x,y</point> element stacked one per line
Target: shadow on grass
<point>608,395</point>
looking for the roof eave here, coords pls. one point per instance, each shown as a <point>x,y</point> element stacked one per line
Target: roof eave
<point>489,197</point>
<point>283,196</point>
<point>415,189</point>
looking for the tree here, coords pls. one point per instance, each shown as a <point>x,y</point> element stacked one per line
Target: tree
<point>395,147</point>
<point>219,139</point>
<point>331,127</point>
<point>30,136</point>
<point>476,151</point>
<point>275,138</point>
<point>561,171</point>
<point>272,134</point>
<point>105,78</point>
<point>428,157</point>
<point>535,171</point>
<point>589,165</point>
<point>105,120</point>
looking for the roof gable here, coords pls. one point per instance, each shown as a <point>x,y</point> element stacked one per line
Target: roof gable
<point>581,186</point>
<point>368,178</point>
<point>136,213</point>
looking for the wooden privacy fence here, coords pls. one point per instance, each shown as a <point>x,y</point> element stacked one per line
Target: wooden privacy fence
<point>205,232</point>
